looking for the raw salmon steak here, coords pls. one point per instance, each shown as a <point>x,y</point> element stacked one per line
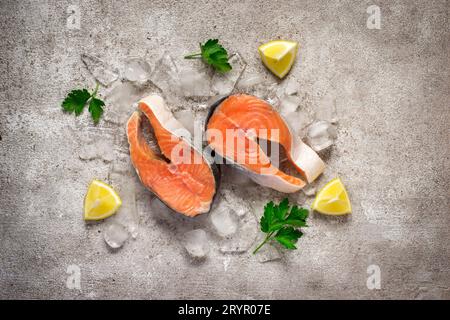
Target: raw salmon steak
<point>236,128</point>
<point>179,175</point>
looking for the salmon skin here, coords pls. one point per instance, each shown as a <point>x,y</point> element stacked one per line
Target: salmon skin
<point>235,127</point>
<point>180,176</point>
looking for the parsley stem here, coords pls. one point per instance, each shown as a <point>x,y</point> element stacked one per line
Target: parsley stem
<point>193,55</point>
<point>95,90</point>
<point>264,242</point>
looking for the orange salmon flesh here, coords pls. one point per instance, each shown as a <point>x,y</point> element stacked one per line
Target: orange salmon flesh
<point>187,188</point>
<point>254,119</point>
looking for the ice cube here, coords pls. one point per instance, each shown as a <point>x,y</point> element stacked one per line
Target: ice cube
<point>165,77</point>
<point>115,235</point>
<point>124,180</point>
<point>187,119</point>
<point>250,82</point>
<point>247,227</point>
<point>321,135</point>
<point>224,84</point>
<point>235,201</point>
<point>100,70</point>
<point>309,190</point>
<point>268,92</point>
<point>292,119</point>
<point>224,220</point>
<point>291,87</point>
<point>256,84</point>
<point>244,237</point>
<point>299,119</point>
<point>268,253</point>
<point>296,122</point>
<point>122,99</point>
<point>289,104</point>
<point>196,243</point>
<point>137,70</point>
<point>195,81</point>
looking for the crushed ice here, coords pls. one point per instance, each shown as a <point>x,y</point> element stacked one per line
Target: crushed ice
<point>123,179</point>
<point>120,100</point>
<point>244,237</point>
<point>137,70</point>
<point>321,135</point>
<point>165,76</point>
<point>235,222</point>
<point>268,253</point>
<point>196,243</point>
<point>195,80</point>
<point>100,70</point>
<point>224,220</point>
<point>115,235</point>
<point>309,190</point>
<point>289,104</point>
<point>224,83</point>
<point>187,119</point>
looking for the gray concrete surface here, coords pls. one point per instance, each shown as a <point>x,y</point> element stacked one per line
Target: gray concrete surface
<point>391,90</point>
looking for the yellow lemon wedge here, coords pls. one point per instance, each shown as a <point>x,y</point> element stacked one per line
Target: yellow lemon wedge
<point>278,56</point>
<point>101,201</point>
<point>332,199</point>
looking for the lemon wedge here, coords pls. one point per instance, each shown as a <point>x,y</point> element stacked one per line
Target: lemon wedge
<point>101,201</point>
<point>332,199</point>
<point>278,56</point>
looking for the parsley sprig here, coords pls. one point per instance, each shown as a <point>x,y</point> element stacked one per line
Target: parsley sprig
<point>213,54</point>
<point>77,99</point>
<point>281,222</point>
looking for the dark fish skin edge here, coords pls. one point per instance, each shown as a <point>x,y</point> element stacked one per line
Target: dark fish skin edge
<point>213,108</point>
<point>208,153</point>
<point>211,154</point>
<point>216,170</point>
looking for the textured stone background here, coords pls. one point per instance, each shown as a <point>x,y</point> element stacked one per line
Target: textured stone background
<point>391,90</point>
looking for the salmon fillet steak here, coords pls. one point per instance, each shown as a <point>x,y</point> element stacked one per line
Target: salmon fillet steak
<point>181,176</point>
<point>236,127</point>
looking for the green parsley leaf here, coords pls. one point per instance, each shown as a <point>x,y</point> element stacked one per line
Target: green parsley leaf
<point>95,108</point>
<point>282,209</point>
<point>77,99</point>
<point>280,222</point>
<point>213,54</point>
<point>288,237</point>
<point>267,218</point>
<point>297,217</point>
